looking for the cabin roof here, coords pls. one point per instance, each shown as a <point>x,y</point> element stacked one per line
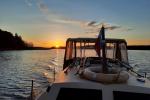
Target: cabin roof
<point>92,40</point>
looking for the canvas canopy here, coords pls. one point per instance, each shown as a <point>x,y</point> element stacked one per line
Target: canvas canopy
<point>85,47</point>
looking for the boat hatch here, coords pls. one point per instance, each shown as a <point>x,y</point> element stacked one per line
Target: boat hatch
<point>77,48</point>
<point>79,94</point>
<point>119,95</point>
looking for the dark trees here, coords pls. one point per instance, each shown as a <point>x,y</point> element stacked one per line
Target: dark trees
<point>10,42</point>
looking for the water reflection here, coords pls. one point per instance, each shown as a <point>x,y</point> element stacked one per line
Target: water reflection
<point>18,68</point>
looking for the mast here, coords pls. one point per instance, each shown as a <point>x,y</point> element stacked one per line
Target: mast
<point>104,63</point>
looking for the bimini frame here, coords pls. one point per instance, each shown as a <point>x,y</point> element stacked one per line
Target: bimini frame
<point>71,47</point>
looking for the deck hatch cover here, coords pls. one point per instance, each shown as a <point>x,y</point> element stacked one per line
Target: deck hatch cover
<point>79,94</point>
<point>120,95</point>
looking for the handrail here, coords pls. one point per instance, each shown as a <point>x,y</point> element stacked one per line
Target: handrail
<point>32,95</point>
<point>129,67</point>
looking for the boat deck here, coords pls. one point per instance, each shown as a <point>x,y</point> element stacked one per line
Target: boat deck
<point>70,82</point>
<point>72,77</point>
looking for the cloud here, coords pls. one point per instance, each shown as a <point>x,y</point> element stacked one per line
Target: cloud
<point>94,27</point>
<point>70,21</point>
<point>129,29</point>
<point>28,2</point>
<point>88,26</point>
<point>40,3</point>
<point>98,25</point>
<point>57,18</point>
<point>113,27</point>
<point>42,6</point>
<point>54,17</point>
<point>92,23</point>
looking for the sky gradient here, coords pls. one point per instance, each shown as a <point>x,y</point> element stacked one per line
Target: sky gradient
<point>49,23</point>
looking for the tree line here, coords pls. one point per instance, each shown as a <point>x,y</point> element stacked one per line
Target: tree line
<point>8,41</point>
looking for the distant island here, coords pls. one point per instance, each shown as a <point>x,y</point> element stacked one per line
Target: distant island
<point>138,47</point>
<point>8,41</point>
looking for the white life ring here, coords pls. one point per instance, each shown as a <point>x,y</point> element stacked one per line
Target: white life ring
<point>95,74</point>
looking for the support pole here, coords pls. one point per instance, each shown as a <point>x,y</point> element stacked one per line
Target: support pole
<point>54,72</point>
<point>105,69</point>
<point>32,91</point>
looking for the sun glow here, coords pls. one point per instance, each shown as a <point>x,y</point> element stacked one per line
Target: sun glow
<point>57,43</point>
<point>57,46</point>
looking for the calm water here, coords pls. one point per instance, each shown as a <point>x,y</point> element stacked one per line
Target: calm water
<point>18,68</point>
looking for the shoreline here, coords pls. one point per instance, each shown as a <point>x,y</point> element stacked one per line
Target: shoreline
<point>129,47</point>
<point>138,47</point>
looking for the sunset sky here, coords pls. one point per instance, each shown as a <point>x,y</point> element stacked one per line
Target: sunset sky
<point>49,23</point>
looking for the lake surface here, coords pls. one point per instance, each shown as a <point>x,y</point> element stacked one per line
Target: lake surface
<point>18,68</point>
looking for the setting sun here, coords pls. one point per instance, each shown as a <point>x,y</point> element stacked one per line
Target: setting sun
<point>57,46</point>
<point>57,43</point>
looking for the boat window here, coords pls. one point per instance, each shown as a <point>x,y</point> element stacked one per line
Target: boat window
<point>69,54</point>
<point>110,50</point>
<point>118,95</point>
<point>86,50</point>
<point>79,94</point>
<point>117,51</point>
<point>124,55</point>
<point>70,50</point>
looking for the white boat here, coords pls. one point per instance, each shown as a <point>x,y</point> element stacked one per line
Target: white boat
<point>87,76</point>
